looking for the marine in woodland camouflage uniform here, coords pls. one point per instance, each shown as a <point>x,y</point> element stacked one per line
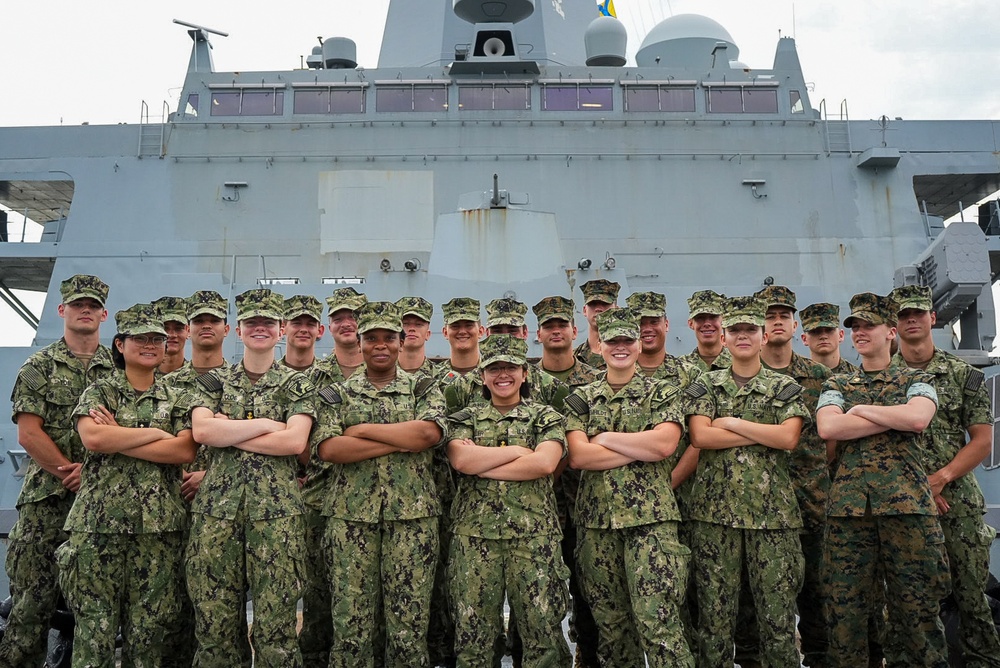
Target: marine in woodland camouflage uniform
<point>505,525</point>
<point>598,295</point>
<point>247,531</point>
<point>746,518</point>
<point>121,567</point>
<point>45,393</point>
<point>556,332</point>
<point>881,511</point>
<point>705,319</point>
<point>963,406</point>
<point>633,568</point>
<point>383,506</point>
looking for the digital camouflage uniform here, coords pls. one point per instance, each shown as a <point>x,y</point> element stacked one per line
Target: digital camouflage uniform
<point>881,515</point>
<point>963,401</point>
<point>121,567</point>
<point>633,568</point>
<point>247,531</point>
<point>382,518</point>
<point>710,303</point>
<point>600,290</point>
<point>48,385</point>
<point>507,538</point>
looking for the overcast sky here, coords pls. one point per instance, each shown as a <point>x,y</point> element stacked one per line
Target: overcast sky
<point>63,61</point>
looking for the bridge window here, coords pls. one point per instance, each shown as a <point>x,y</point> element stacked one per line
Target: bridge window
<point>742,99</point>
<point>577,97</point>
<point>330,100</point>
<point>411,97</point>
<point>269,102</point>
<point>491,97</point>
<point>658,98</point>
<point>795,101</point>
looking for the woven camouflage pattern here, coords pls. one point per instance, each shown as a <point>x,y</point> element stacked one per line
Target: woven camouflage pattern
<point>617,322</point>
<point>844,367</point>
<point>207,301</point>
<point>820,315</point>
<point>872,308</point>
<point>893,459</point>
<point>259,303</point>
<point>917,297</point>
<point>83,286</point>
<point>502,348</point>
<point>172,309</point>
<point>748,487</point>
<point>461,308</point>
<point>379,315</point>
<point>723,361</point>
<point>345,298</point>
<point>583,353</point>
<point>776,295</point>
<point>552,308</point>
<point>299,305</point>
<point>417,306</point>
<point>648,304</point>
<point>706,301</point>
<point>140,319</point>
<point>505,311</point>
<point>600,290</point>
<point>743,311</point>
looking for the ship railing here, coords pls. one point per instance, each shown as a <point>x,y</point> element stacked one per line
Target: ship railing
<point>837,130</point>
<point>46,230</point>
<point>152,136</point>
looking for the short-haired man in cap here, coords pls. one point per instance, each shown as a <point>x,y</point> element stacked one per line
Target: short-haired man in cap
<point>383,506</point>
<point>822,335</point>
<point>462,329</point>
<point>303,318</point>
<point>556,332</point>
<point>881,515</point>
<point>745,420</point>
<point>247,529</point>
<point>621,431</point>
<point>705,320</point>
<point>173,310</point>
<point>963,408</point>
<point>46,391</point>
<point>810,474</point>
<point>598,296</point>
<point>343,305</point>
<point>416,313</point>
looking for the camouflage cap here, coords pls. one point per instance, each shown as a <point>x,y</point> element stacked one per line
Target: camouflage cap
<point>744,311</point>
<point>617,322</point>
<point>461,308</point>
<point>298,305</point>
<point>417,306</point>
<point>207,301</point>
<point>83,286</point>
<point>913,296</point>
<point>819,315</point>
<point>776,295</point>
<point>600,290</point>
<point>259,303</point>
<point>502,348</point>
<point>172,309</point>
<point>348,298</point>
<point>378,315</point>
<point>553,308</point>
<point>706,301</point>
<point>872,308</point>
<point>505,311</point>
<point>648,304</point>
<point>140,319</point>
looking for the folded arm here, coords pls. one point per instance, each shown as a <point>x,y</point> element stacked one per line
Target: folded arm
<point>539,463</point>
<point>651,445</point>
<point>586,455</point>
<point>412,435</point>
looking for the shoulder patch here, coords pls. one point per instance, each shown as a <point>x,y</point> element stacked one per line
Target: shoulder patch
<point>423,386</point>
<point>33,378</point>
<point>578,404</point>
<point>461,416</point>
<point>330,395</point>
<point>789,392</point>
<point>664,391</point>
<point>974,381</point>
<point>210,382</point>
<point>695,390</point>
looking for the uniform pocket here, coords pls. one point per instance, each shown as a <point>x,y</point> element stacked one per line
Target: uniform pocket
<point>68,565</point>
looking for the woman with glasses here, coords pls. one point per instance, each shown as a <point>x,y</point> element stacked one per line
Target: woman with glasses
<point>506,533</point>
<point>120,568</point>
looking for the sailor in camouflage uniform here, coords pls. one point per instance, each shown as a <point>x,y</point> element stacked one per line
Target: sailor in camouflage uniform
<point>556,333</point>
<point>506,528</point>
<point>745,420</point>
<point>621,431</point>
<point>598,296</point>
<point>121,567</point>
<point>705,320</point>
<point>247,531</point>
<point>881,510</point>
<point>822,335</point>
<point>173,310</point>
<point>416,314</point>
<point>810,474</point>
<point>346,358</point>
<point>462,329</point>
<point>383,506</point>
<point>963,407</point>
<point>46,391</point>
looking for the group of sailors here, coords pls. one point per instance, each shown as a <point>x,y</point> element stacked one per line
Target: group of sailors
<point>682,510</point>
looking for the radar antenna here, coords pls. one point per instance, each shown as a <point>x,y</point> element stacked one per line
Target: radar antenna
<point>202,28</point>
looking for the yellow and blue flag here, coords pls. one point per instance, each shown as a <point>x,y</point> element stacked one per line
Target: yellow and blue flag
<point>607,8</point>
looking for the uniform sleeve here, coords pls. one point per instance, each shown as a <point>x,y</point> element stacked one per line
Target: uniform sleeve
<point>976,407</point>
<point>574,408</point>
<point>92,398</point>
<point>301,396</point>
<point>28,395</point>
<point>922,389</point>
<point>461,425</point>
<point>430,406</point>
<point>666,405</point>
<point>203,396</point>
<point>328,424</point>
<point>180,415</point>
<point>794,407</point>
<point>831,395</point>
<point>699,399</point>
<point>551,426</point>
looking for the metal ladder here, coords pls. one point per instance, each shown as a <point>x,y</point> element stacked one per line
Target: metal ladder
<point>152,136</point>
<point>837,132</point>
